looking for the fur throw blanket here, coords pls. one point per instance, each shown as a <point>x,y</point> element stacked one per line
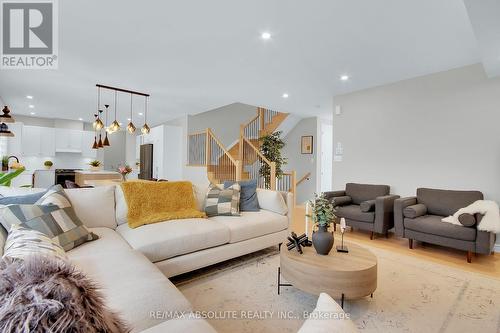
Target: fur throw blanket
<point>43,294</point>
<point>490,211</point>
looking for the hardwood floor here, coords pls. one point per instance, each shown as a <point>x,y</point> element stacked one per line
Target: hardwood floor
<point>484,264</point>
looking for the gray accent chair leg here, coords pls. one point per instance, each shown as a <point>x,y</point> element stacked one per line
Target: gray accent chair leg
<point>469,256</point>
<point>371,235</point>
<point>410,243</point>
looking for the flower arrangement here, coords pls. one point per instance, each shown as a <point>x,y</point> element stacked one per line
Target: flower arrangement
<point>124,171</point>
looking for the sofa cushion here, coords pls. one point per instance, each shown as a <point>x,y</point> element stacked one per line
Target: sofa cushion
<point>341,201</point>
<point>248,195</point>
<point>112,242</point>
<point>94,206</point>
<point>223,201</point>
<point>414,211</point>
<point>446,202</point>
<point>467,220</point>
<point>353,212</point>
<point>432,224</point>
<point>189,323</point>
<point>131,284</point>
<point>7,191</point>
<point>252,224</point>
<point>364,192</point>
<point>367,206</point>
<point>24,199</point>
<point>272,201</point>
<point>163,240</point>
<point>328,317</point>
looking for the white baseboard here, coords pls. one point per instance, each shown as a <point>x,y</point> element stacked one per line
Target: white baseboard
<point>497,248</point>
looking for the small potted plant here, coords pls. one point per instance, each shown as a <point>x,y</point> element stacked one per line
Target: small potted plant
<point>124,171</point>
<point>322,216</point>
<point>5,163</point>
<point>48,164</point>
<point>95,165</point>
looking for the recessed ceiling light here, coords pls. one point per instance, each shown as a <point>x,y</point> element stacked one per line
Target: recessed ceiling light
<point>80,119</point>
<point>29,97</point>
<point>120,124</point>
<point>285,95</point>
<point>140,113</point>
<point>128,119</point>
<point>265,35</point>
<point>32,113</point>
<point>344,77</point>
<point>31,106</point>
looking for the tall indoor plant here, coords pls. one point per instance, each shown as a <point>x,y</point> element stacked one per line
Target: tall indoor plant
<point>322,215</point>
<point>271,146</point>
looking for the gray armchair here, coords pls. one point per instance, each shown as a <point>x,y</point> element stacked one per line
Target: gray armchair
<point>365,206</point>
<point>419,218</point>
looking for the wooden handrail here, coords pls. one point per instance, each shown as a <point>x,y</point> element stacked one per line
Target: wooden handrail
<point>198,133</point>
<point>257,151</point>
<point>221,146</point>
<point>307,176</point>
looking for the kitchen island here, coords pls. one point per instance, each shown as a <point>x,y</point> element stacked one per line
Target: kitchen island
<point>87,177</point>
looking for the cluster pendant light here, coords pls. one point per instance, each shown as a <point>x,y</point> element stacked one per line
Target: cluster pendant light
<point>99,125</point>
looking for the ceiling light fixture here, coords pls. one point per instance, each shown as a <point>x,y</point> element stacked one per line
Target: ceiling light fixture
<point>98,124</point>
<point>32,113</point>
<point>285,95</point>
<point>141,114</point>
<point>106,128</point>
<point>145,128</point>
<point>81,119</point>
<point>265,35</point>
<point>130,126</point>
<point>29,97</point>
<point>115,126</point>
<point>344,77</point>
<point>31,106</point>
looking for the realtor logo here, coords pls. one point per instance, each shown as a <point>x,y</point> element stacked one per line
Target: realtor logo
<point>29,34</point>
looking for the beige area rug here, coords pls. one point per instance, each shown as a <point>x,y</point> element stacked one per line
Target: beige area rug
<point>412,296</point>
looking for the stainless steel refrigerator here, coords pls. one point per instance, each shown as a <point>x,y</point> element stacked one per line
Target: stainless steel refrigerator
<point>146,160</point>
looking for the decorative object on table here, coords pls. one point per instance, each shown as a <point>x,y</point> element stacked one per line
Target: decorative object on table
<point>95,165</point>
<point>5,163</point>
<point>322,215</point>
<point>297,242</point>
<point>271,146</point>
<point>124,171</point>
<point>306,144</point>
<point>5,117</point>
<point>6,178</point>
<point>48,164</point>
<point>342,248</point>
<point>44,294</point>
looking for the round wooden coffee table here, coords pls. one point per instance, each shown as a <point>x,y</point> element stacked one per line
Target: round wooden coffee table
<point>341,275</point>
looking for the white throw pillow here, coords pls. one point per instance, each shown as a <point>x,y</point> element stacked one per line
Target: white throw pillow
<point>94,206</point>
<point>200,193</point>
<point>272,201</point>
<point>121,206</point>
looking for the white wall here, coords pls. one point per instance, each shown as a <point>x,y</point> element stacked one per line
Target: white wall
<point>303,163</point>
<point>440,130</point>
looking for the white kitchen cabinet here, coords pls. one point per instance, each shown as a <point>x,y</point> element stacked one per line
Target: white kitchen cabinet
<point>44,178</point>
<point>38,141</point>
<point>87,142</point>
<point>68,140</point>
<point>15,143</point>
<point>25,178</point>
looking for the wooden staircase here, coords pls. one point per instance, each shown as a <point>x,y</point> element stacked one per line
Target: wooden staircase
<point>243,160</point>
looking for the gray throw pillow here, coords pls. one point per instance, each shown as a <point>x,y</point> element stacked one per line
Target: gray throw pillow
<point>223,202</point>
<point>27,199</point>
<point>367,206</point>
<point>415,211</point>
<point>341,201</point>
<point>467,220</point>
<point>248,195</point>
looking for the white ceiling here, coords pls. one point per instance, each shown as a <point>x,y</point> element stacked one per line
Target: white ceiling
<point>193,56</point>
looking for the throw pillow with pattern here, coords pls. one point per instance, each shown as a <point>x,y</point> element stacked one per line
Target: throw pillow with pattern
<point>223,201</point>
<point>53,216</point>
<point>23,242</point>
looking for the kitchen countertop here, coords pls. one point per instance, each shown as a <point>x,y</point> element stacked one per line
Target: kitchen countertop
<point>100,172</point>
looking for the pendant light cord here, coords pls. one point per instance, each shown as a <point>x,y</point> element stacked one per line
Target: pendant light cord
<point>145,110</point>
<point>131,95</point>
<point>115,105</point>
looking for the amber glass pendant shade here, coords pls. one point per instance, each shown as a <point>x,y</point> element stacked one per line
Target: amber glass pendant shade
<point>131,128</point>
<point>106,141</point>
<point>94,146</point>
<point>145,129</point>
<point>99,144</point>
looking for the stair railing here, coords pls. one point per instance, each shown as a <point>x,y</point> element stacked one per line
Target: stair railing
<point>197,143</point>
<point>256,165</point>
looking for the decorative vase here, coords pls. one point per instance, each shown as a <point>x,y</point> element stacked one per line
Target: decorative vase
<point>94,168</point>
<point>48,167</point>
<point>322,240</point>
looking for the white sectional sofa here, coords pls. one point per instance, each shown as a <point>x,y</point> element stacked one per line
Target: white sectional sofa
<point>133,265</point>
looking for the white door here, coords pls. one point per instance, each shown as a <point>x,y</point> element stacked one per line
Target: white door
<point>326,157</point>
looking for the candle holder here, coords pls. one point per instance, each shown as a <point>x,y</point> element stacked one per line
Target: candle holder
<point>342,248</point>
